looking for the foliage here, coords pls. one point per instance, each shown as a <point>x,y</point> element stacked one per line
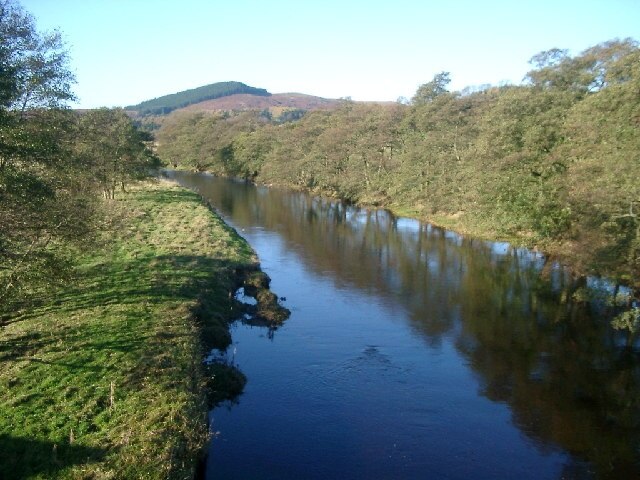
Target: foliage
<point>431,90</point>
<point>39,207</point>
<point>113,150</point>
<point>291,115</point>
<point>628,320</point>
<point>589,72</point>
<point>168,103</point>
<point>33,66</point>
<point>551,163</point>
<point>203,140</point>
<point>49,160</point>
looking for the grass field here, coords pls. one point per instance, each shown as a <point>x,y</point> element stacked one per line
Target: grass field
<point>104,379</point>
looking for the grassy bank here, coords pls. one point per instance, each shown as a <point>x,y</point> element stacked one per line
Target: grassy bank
<point>105,378</point>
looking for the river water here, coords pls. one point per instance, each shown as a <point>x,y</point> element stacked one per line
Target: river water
<point>415,353</point>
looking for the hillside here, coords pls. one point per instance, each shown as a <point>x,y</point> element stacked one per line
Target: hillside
<point>168,103</point>
<point>244,101</point>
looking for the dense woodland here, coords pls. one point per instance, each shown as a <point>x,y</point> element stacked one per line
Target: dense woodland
<point>168,103</point>
<point>552,163</point>
<point>56,166</point>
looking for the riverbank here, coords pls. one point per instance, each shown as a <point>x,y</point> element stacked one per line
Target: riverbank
<point>104,379</point>
<point>568,253</point>
<point>392,315</point>
<point>522,164</point>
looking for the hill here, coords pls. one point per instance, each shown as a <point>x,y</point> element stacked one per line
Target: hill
<point>168,103</point>
<point>246,101</point>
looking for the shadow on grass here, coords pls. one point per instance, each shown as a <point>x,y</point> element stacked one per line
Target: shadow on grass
<point>22,458</point>
<point>133,290</point>
<point>21,346</point>
<point>150,279</point>
<point>207,284</point>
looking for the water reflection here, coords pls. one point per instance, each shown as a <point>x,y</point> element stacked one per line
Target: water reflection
<point>559,367</point>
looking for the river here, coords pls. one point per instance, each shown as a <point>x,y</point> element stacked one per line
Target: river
<point>415,353</point>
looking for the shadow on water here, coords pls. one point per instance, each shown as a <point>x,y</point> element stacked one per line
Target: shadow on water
<point>22,458</point>
<point>569,379</point>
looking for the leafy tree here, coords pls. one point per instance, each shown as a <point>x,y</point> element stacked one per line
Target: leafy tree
<point>291,115</point>
<point>51,161</point>
<point>113,150</point>
<point>588,72</point>
<point>202,140</point>
<point>34,65</point>
<point>39,207</point>
<point>603,171</point>
<point>429,91</point>
<point>43,206</point>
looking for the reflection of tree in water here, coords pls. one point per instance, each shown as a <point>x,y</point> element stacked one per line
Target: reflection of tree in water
<point>560,368</point>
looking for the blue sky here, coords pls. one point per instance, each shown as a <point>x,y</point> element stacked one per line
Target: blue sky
<point>126,51</point>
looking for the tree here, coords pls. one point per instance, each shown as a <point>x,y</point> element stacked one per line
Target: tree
<point>588,72</point>
<point>41,204</point>
<point>33,65</point>
<point>556,69</point>
<point>52,160</point>
<point>429,91</point>
<point>551,163</point>
<point>113,150</point>
<point>33,73</point>
<point>605,140</point>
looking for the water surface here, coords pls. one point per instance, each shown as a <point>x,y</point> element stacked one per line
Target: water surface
<point>412,352</point>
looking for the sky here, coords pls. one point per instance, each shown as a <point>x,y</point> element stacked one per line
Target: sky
<point>126,51</point>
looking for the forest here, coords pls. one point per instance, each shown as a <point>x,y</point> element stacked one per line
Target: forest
<point>551,164</point>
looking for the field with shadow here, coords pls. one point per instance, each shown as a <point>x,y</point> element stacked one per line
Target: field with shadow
<point>104,378</point>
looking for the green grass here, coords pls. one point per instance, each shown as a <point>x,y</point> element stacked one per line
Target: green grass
<point>104,379</point>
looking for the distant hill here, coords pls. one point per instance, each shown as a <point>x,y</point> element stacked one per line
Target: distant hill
<point>245,101</point>
<point>168,103</point>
